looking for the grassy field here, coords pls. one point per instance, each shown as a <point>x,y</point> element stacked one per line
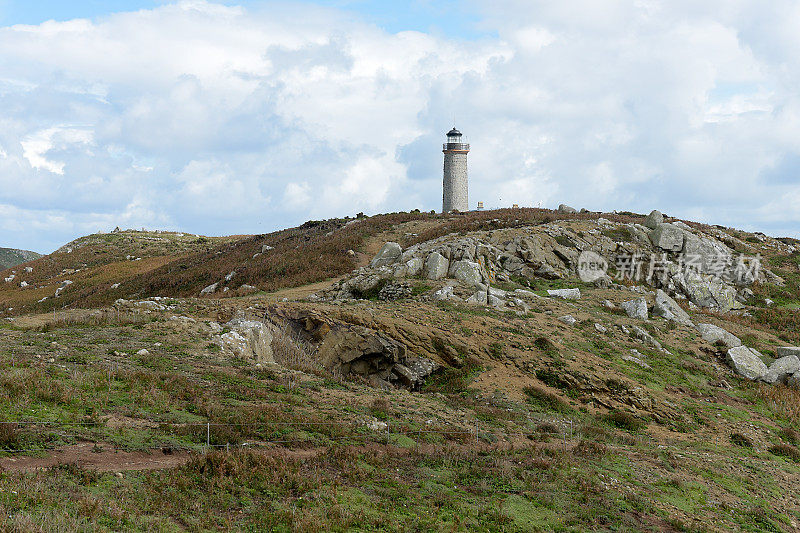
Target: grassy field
<point>294,451</point>
<point>119,418</point>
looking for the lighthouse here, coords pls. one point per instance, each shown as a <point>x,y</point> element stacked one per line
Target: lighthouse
<point>455,188</point>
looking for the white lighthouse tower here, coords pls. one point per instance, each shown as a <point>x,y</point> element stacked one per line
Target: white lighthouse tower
<point>455,189</point>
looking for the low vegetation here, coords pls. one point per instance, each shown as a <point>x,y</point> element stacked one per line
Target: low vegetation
<point>529,424</point>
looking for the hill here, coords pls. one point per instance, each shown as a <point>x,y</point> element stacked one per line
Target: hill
<point>132,264</point>
<point>9,257</point>
<point>453,372</point>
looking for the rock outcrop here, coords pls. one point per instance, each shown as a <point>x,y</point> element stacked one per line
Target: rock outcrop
<point>673,257</point>
<point>653,220</point>
<point>388,255</point>
<point>356,349</point>
<point>436,266</point>
<point>747,362</point>
<point>636,308</point>
<point>248,339</point>
<point>781,369</point>
<point>669,309</point>
<point>713,334</point>
<point>667,237</point>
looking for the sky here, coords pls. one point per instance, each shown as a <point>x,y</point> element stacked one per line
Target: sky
<point>225,117</point>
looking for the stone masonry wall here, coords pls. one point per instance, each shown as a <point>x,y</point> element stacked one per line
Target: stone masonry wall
<point>455,186</point>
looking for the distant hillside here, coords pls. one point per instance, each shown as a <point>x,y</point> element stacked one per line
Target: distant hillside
<point>9,257</point>
<point>96,262</point>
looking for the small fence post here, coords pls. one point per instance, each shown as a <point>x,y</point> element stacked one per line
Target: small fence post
<point>208,436</point>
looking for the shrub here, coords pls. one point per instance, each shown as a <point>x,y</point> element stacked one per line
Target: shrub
<point>786,450</point>
<point>546,400</point>
<point>547,427</point>
<point>782,400</point>
<point>552,379</point>
<point>9,435</point>
<point>565,241</point>
<point>737,439</point>
<point>496,350</point>
<point>618,234</point>
<point>380,408</point>
<point>790,435</point>
<point>589,449</point>
<point>453,380</point>
<point>623,420</point>
<point>546,346</point>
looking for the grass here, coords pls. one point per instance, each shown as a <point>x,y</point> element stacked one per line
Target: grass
<point>605,476</point>
<point>445,488</point>
<point>184,266</point>
<point>781,401</point>
<point>546,400</point>
<point>347,478</point>
<point>621,234</point>
<point>453,380</point>
<point>624,420</point>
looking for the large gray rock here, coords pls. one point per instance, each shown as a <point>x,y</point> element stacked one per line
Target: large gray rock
<point>636,308</point>
<point>781,369</point>
<point>467,272</point>
<point>414,266</point>
<point>494,301</point>
<point>707,291</point>
<point>248,339</point>
<point>645,337</point>
<point>211,289</point>
<point>712,334</point>
<point>746,362</point>
<point>654,219</point>
<point>363,285</point>
<point>413,372</point>
<point>389,254</point>
<point>667,237</point>
<point>788,350</point>
<point>707,255</point>
<point>563,208</point>
<point>566,294</point>
<point>568,320</point>
<point>445,293</point>
<point>499,293</point>
<point>668,308</point>
<point>436,266</point>
<point>480,297</point>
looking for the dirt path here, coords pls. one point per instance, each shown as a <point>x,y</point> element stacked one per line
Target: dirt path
<point>85,455</point>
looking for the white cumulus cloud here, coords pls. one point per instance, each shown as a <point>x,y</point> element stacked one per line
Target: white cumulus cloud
<point>223,119</point>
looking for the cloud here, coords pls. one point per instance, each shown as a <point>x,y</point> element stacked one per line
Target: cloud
<point>217,119</point>
<point>36,146</point>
